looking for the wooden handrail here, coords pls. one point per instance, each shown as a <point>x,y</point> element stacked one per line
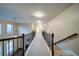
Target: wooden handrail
<point>5,39</point>
<point>75,34</point>
<point>8,40</point>
<point>13,38</point>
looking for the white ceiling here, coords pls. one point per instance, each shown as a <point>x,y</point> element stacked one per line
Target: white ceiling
<point>22,12</point>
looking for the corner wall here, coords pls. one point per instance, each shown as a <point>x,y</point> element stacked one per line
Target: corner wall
<point>4,28</point>
<point>4,32</point>
<point>64,25</point>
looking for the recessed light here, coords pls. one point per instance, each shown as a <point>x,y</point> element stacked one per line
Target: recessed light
<point>38,14</point>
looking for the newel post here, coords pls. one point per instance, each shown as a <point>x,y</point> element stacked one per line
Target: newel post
<point>23,43</point>
<point>52,44</point>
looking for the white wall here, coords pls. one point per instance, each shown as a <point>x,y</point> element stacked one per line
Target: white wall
<point>18,29</point>
<point>26,28</point>
<point>64,25</point>
<point>4,31</point>
<point>4,28</point>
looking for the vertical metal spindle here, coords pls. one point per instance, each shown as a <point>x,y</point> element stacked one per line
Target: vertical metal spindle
<point>13,46</point>
<point>52,44</point>
<point>3,47</point>
<point>17,46</point>
<point>8,47</point>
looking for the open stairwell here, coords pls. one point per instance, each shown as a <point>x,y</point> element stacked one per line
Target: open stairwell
<point>60,52</point>
<point>40,46</point>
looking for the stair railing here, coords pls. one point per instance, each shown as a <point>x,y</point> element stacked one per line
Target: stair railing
<point>17,38</point>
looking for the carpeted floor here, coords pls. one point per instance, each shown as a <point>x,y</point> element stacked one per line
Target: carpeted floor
<point>18,52</point>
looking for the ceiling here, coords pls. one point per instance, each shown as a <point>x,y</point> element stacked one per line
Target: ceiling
<point>23,12</point>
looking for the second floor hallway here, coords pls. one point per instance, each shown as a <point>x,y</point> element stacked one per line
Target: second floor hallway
<point>39,29</point>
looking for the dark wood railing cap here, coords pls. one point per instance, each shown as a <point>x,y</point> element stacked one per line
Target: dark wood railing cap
<point>73,35</point>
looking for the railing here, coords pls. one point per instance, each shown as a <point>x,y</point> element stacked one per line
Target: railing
<point>49,38</point>
<point>73,35</point>
<point>19,40</point>
<point>8,40</point>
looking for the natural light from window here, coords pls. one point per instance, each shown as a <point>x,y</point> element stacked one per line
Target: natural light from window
<point>9,47</point>
<point>9,29</point>
<point>24,30</point>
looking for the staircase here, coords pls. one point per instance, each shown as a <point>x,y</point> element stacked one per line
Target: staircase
<point>57,50</point>
<point>60,52</point>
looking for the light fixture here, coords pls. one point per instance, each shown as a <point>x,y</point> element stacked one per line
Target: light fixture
<point>38,22</point>
<point>38,14</point>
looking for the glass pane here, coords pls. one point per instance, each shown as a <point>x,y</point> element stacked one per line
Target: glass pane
<point>9,28</point>
<point>24,30</point>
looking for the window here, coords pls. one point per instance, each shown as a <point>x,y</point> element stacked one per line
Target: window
<point>23,29</point>
<point>10,47</point>
<point>0,29</point>
<point>9,28</point>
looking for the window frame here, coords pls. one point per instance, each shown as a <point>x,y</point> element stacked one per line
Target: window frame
<point>11,29</point>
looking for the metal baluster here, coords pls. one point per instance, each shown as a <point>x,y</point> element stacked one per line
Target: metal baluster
<point>17,46</point>
<point>13,46</point>
<point>3,47</point>
<point>8,47</point>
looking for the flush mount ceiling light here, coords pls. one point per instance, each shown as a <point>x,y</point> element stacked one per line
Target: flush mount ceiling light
<point>38,14</point>
<point>38,22</point>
